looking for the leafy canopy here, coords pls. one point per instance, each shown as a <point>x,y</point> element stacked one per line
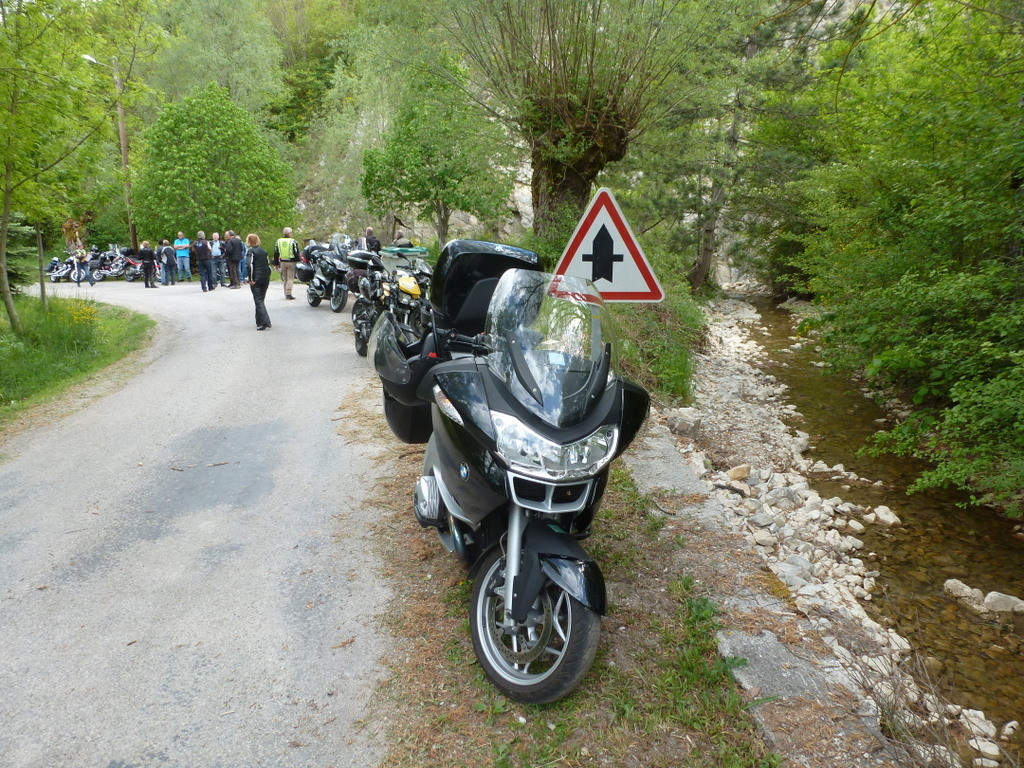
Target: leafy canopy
<point>440,155</point>
<point>200,173</point>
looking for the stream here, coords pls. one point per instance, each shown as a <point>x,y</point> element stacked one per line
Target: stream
<point>973,661</point>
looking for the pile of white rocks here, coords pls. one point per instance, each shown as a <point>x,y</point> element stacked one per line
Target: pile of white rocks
<point>811,544</point>
<point>979,602</point>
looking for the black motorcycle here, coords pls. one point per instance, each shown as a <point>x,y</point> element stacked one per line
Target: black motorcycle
<point>323,268</point>
<point>517,394</point>
<point>369,278</point>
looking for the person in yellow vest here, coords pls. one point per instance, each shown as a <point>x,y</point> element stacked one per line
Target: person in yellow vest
<point>286,253</point>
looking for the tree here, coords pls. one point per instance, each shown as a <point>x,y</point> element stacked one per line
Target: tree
<point>227,42</point>
<point>198,173</point>
<point>309,32</point>
<point>577,80</point>
<point>439,156</point>
<point>912,217</point>
<point>48,112</point>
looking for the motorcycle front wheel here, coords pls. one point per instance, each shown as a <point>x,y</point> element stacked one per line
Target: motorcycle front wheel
<point>362,322</point>
<point>544,658</point>
<point>311,297</point>
<point>339,297</point>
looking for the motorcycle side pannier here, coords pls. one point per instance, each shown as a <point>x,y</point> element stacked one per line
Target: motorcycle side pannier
<point>304,272</point>
<point>409,423</point>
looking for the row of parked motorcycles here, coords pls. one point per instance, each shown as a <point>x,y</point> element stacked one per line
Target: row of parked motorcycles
<point>510,378</point>
<point>331,271</point>
<point>114,262</point>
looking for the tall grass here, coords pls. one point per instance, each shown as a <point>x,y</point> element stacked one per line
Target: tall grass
<point>61,346</point>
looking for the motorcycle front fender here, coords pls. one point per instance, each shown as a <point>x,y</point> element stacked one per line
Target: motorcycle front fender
<point>555,555</point>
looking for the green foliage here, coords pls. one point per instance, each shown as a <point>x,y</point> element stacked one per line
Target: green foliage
<point>22,254</point>
<point>61,345</point>
<point>198,173</point>
<point>440,155</point>
<point>658,339</point>
<point>904,218</point>
<point>227,42</point>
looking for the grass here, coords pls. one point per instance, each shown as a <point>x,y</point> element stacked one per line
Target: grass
<point>657,339</point>
<point>61,346</point>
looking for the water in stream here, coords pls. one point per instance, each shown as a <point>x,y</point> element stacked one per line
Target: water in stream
<point>982,662</point>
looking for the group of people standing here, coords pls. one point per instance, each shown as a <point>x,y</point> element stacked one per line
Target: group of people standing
<point>224,263</point>
<point>220,263</point>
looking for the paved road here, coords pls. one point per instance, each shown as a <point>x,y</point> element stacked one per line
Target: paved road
<point>186,576</point>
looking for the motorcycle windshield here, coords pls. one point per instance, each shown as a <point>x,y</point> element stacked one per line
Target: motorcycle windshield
<point>552,342</point>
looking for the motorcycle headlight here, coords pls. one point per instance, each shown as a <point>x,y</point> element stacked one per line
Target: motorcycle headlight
<point>534,455</point>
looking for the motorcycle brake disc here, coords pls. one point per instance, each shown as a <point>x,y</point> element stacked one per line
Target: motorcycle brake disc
<point>532,647</point>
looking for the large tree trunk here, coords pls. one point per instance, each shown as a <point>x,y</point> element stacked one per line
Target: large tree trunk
<point>566,159</point>
<point>708,237</point>
<point>5,284</point>
<point>712,213</point>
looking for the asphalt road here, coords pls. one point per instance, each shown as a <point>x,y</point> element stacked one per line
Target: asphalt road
<point>187,577</point>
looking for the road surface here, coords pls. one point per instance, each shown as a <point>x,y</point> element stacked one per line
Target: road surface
<point>186,572</point>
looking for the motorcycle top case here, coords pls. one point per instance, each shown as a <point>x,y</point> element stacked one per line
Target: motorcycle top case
<point>465,276</point>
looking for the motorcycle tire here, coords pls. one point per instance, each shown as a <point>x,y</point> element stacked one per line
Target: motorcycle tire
<point>311,298</point>
<point>339,298</point>
<point>362,315</point>
<point>98,277</point>
<point>132,277</point>
<point>75,275</point>
<point>54,278</point>
<point>545,661</point>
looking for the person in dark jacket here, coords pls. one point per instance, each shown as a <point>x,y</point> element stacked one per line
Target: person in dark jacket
<point>148,257</point>
<point>259,279</point>
<point>233,252</point>
<point>170,263</point>
<point>372,241</point>
<point>203,257</point>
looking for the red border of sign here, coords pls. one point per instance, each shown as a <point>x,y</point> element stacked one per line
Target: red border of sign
<point>605,200</point>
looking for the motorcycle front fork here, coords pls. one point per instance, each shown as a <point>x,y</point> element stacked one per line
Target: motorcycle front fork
<point>513,557</point>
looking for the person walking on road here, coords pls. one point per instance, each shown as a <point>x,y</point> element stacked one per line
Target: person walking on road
<point>148,257</point>
<point>259,279</point>
<point>83,267</point>
<point>181,247</point>
<point>286,254</point>
<point>204,262</point>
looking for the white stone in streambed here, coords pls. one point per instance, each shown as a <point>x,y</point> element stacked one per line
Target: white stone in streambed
<point>885,516</point>
<point>997,602</point>
<point>973,598</point>
<point>975,721</point>
<point>1009,730</point>
<point>988,749</point>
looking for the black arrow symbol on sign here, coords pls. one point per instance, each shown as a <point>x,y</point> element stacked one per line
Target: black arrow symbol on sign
<point>603,256</point>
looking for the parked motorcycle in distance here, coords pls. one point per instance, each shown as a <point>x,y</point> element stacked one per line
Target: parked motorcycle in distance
<point>372,283</point>
<point>132,265</point>
<point>107,263</point>
<point>323,267</point>
<point>516,392</point>
<point>58,270</point>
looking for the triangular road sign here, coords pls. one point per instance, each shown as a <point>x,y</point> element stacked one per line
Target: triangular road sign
<point>604,251</point>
